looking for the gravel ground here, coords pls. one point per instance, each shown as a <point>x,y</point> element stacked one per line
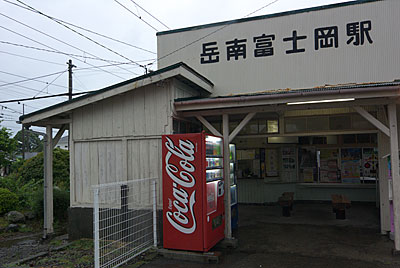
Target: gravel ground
<point>20,246</point>
<point>288,245</point>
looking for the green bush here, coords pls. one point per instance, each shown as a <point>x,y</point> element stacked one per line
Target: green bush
<point>8,201</point>
<point>24,192</point>
<point>60,202</point>
<point>9,182</point>
<point>32,169</point>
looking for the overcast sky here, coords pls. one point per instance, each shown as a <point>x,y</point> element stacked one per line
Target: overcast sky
<point>22,45</point>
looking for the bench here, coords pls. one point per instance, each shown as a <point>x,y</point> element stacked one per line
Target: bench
<point>286,202</point>
<point>339,204</point>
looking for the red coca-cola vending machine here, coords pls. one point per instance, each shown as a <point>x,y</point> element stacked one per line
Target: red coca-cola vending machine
<point>193,191</point>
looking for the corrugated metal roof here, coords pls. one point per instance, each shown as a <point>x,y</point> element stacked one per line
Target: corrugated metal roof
<point>286,13</point>
<point>287,91</point>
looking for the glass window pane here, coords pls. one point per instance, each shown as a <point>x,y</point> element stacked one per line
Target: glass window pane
<point>253,127</point>
<point>318,123</point>
<point>273,126</point>
<point>340,122</point>
<point>359,122</point>
<point>262,126</point>
<point>295,125</point>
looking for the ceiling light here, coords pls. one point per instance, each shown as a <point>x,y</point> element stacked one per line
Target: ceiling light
<point>319,101</point>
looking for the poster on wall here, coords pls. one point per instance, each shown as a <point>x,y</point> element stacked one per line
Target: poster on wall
<point>271,163</point>
<point>307,163</point>
<point>369,163</point>
<point>289,168</point>
<point>329,165</point>
<point>351,162</point>
<point>308,174</point>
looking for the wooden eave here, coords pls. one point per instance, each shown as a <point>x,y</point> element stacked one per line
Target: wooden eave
<point>363,95</point>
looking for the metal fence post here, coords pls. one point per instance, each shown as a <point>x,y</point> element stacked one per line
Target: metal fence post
<point>96,229</point>
<point>153,189</point>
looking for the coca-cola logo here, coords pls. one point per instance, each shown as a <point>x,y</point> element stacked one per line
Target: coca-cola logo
<point>183,218</point>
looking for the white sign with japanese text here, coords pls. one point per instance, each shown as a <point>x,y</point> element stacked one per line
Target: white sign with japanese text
<point>345,43</point>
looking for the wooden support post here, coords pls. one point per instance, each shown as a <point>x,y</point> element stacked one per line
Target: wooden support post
<point>241,125</point>
<point>383,150</point>
<point>58,135</point>
<point>208,125</point>
<point>227,199</point>
<point>48,183</point>
<point>378,124</point>
<point>394,158</point>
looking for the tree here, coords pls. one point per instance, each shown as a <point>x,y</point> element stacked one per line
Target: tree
<point>7,147</point>
<point>32,169</point>
<point>33,143</point>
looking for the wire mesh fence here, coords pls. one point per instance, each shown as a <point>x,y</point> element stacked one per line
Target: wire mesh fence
<point>124,221</point>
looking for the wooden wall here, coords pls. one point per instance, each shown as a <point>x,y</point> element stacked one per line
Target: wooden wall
<point>119,138</point>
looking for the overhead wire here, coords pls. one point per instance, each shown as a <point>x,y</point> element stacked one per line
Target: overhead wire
<point>56,50</point>
<point>47,86</point>
<point>140,18</point>
<point>79,81</point>
<point>211,33</point>
<point>150,14</point>
<point>25,87</point>
<point>82,35</point>
<point>30,58</point>
<point>63,53</point>
<point>5,107</point>
<point>46,97</point>
<point>87,30</point>
<point>29,79</point>
<point>37,98</point>
<point>50,36</point>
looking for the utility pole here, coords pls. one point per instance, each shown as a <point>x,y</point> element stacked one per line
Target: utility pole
<point>70,66</point>
<point>23,134</point>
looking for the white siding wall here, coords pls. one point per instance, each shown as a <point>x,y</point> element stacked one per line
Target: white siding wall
<point>119,139</point>
<point>347,63</point>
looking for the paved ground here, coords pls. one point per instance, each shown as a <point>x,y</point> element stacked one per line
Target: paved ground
<point>311,237</point>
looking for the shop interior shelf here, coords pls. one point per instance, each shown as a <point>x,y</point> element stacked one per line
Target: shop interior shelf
<point>215,179</point>
<point>216,167</point>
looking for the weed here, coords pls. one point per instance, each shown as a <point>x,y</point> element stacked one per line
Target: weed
<point>25,229</point>
<point>82,244</point>
<point>56,242</point>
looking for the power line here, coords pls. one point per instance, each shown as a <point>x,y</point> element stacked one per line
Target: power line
<point>75,31</point>
<point>150,15</point>
<point>207,35</point>
<point>261,8</point>
<point>43,97</point>
<point>26,57</point>
<point>79,81</point>
<point>140,18</point>
<point>50,36</point>
<point>62,53</point>
<point>28,88</point>
<point>87,30</point>
<point>103,66</point>
<point>55,50</point>
<point>47,86</point>
<point>5,107</point>
<point>28,79</point>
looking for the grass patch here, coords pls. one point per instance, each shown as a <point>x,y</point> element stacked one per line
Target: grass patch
<point>56,242</point>
<point>3,222</point>
<point>80,253</point>
<point>26,229</point>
